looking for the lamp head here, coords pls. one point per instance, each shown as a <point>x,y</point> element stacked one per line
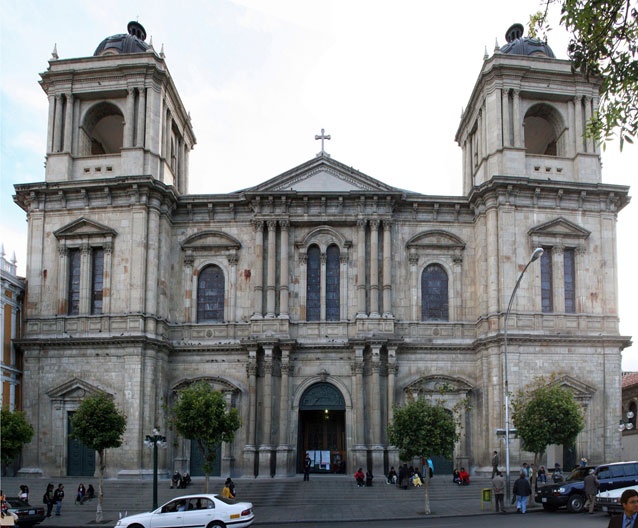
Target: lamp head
<point>538,252</point>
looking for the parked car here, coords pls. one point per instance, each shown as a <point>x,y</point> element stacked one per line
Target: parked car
<point>27,514</point>
<point>609,501</point>
<point>196,511</point>
<point>571,493</point>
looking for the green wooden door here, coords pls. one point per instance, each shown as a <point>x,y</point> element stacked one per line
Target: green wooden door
<point>80,459</point>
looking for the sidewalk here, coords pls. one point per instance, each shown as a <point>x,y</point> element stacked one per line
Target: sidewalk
<point>324,499</point>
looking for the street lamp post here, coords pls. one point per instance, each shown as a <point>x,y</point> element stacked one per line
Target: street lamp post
<point>535,256</point>
<point>154,440</point>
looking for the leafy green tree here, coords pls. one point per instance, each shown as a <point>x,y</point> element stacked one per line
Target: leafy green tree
<point>422,428</point>
<point>546,414</point>
<point>99,425</point>
<point>15,433</point>
<point>603,44</point>
<point>200,415</point>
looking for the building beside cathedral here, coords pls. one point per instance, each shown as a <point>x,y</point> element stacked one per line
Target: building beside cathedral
<point>322,298</point>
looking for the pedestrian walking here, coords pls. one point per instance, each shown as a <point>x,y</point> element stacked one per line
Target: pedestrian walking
<point>495,462</point>
<point>591,489</point>
<point>58,497</point>
<point>522,490</point>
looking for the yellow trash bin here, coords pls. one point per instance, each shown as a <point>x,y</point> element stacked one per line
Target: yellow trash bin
<point>486,496</point>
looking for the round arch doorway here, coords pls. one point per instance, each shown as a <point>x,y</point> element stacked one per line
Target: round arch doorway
<point>322,426</point>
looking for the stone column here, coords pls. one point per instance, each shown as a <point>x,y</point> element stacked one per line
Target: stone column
<point>106,292</point>
<point>558,278</point>
<point>259,269</point>
<point>456,312</point>
<point>141,113</point>
<point>85,280</point>
<point>578,106</point>
<point>51,124</point>
<point>589,142</point>
<point>283,270</point>
<point>284,450</point>
<point>323,258</point>
<point>272,262</point>
<point>570,140</point>
<point>227,453</point>
<point>129,119</point>
<point>57,132</point>
<point>374,268</point>
<point>63,279</point>
<point>189,288</point>
<point>232,287</point>
<point>387,268</point>
<point>507,124</point>
<point>375,398</point>
<point>343,284</point>
<point>361,268</point>
<point>413,260</point>
<point>251,426</point>
<point>68,124</point>
<point>265,446</point>
<point>516,121</point>
<point>359,449</point>
<point>579,265</point>
<point>152,262</point>
<point>393,452</point>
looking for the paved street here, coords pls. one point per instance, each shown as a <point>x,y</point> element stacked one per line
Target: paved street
<point>332,499</point>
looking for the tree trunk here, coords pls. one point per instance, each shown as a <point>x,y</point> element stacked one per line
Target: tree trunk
<point>206,483</point>
<point>100,493</point>
<point>426,485</point>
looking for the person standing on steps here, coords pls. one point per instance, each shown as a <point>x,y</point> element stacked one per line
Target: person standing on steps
<point>48,498</point>
<point>58,497</point>
<point>306,467</point>
<point>495,462</point>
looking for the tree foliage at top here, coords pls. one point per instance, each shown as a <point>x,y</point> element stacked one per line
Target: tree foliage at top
<point>603,44</point>
<point>200,415</point>
<point>99,425</point>
<point>15,432</point>
<point>544,415</point>
<point>421,428</point>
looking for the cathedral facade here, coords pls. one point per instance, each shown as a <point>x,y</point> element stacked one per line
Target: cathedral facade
<point>322,298</point>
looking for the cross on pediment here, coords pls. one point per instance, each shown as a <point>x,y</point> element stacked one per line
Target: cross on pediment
<point>322,137</point>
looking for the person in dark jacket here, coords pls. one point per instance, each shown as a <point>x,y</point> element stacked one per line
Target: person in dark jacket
<point>522,490</point>
<point>58,497</point>
<point>48,499</point>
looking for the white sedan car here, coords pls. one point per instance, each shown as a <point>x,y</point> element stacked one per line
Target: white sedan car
<point>609,501</point>
<point>194,511</point>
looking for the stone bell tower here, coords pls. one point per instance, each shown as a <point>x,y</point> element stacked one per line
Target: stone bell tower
<point>527,116</point>
<point>116,114</point>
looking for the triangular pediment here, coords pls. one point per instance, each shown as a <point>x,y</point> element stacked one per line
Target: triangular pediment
<point>83,227</point>
<point>581,391</point>
<point>561,228</point>
<point>322,175</point>
<point>74,390</point>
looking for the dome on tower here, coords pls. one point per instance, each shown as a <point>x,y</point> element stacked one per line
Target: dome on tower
<point>131,42</point>
<point>519,45</point>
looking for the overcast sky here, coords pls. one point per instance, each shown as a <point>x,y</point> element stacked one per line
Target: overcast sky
<point>387,81</point>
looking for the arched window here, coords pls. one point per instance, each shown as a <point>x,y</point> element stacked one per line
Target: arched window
<point>313,292</point>
<point>434,286</point>
<point>210,294</point>
<point>103,130</point>
<point>332,284</point>
<point>543,131</point>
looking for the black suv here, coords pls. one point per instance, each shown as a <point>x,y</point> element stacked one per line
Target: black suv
<point>571,492</point>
